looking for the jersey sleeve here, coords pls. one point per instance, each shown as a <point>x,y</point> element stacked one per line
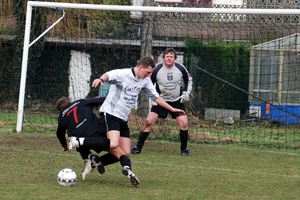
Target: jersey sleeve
<point>116,75</point>
<point>60,134</point>
<point>150,90</point>
<point>97,101</point>
<point>187,78</point>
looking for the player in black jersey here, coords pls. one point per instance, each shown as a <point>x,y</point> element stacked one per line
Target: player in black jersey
<point>174,84</point>
<point>86,132</point>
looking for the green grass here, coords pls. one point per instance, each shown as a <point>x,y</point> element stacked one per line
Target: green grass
<point>30,163</point>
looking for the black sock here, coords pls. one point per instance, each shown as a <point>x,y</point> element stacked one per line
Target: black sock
<point>97,142</point>
<point>84,153</point>
<point>125,161</point>
<point>108,159</point>
<point>183,139</point>
<point>142,138</point>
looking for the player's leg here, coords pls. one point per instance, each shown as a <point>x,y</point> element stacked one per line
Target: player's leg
<point>125,144</point>
<point>156,111</point>
<point>150,120</point>
<point>87,161</point>
<point>124,159</point>
<point>114,154</point>
<point>91,142</point>
<point>182,121</point>
<point>119,135</point>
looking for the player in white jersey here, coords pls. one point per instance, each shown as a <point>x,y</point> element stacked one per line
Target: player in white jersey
<point>174,84</point>
<point>126,84</point>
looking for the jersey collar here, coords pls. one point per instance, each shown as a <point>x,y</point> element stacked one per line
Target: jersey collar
<point>132,70</point>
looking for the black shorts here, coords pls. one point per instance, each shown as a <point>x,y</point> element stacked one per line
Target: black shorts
<point>163,112</point>
<point>111,123</point>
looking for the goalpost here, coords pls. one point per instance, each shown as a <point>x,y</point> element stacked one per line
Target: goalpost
<point>175,26</point>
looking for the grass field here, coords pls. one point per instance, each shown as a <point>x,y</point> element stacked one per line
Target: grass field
<point>30,163</point>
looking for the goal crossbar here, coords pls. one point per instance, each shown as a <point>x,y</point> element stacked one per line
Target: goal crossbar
<point>31,4</point>
<point>164,9</point>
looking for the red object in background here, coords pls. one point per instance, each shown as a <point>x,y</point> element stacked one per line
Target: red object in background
<point>267,108</point>
<point>197,1</point>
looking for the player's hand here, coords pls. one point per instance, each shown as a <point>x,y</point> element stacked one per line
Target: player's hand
<point>184,97</point>
<point>97,82</point>
<point>179,111</point>
<point>154,103</point>
<point>65,149</point>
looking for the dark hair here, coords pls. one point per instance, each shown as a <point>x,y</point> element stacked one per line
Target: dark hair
<point>170,50</point>
<point>146,62</point>
<point>62,102</point>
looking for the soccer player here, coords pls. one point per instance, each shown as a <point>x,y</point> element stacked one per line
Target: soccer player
<point>86,132</point>
<point>174,84</point>
<point>126,84</point>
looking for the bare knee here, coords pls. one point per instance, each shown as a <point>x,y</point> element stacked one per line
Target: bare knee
<point>182,123</point>
<point>147,125</point>
<point>113,145</point>
<point>127,153</point>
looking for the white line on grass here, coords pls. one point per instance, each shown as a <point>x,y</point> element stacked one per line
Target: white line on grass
<point>249,148</point>
<point>180,166</point>
<point>244,147</point>
<point>220,169</point>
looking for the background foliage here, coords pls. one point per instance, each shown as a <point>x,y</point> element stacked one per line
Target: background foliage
<point>113,40</point>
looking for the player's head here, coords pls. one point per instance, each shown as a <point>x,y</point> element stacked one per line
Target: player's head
<point>62,102</point>
<point>169,57</point>
<point>170,51</point>
<point>144,67</point>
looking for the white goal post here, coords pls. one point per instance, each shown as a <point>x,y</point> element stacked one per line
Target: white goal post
<point>31,4</point>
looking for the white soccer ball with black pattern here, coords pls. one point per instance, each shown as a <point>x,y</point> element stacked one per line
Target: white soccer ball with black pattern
<point>66,177</point>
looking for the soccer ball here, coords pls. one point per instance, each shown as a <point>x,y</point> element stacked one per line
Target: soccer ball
<point>66,177</point>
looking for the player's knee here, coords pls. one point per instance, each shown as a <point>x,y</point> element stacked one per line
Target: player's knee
<point>183,126</point>
<point>113,145</point>
<point>148,123</point>
<point>127,153</point>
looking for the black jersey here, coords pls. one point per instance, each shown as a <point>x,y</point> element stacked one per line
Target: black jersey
<point>79,120</point>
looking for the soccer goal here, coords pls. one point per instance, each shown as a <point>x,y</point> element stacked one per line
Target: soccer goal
<point>244,62</point>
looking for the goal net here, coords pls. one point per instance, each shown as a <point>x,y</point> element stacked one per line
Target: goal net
<point>244,60</point>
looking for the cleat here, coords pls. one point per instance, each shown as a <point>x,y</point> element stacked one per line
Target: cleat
<point>136,150</point>
<point>131,176</point>
<point>72,143</point>
<point>185,152</point>
<point>87,168</point>
<point>97,163</point>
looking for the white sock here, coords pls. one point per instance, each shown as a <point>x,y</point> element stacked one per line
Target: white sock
<point>81,140</point>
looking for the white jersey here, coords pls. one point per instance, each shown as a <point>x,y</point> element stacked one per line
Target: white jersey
<point>124,90</point>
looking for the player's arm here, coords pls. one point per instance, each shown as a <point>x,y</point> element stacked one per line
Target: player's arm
<point>60,134</point>
<point>164,104</point>
<point>187,80</point>
<point>188,85</point>
<point>96,101</point>
<point>99,81</point>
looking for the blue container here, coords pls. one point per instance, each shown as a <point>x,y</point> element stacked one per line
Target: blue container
<point>285,114</point>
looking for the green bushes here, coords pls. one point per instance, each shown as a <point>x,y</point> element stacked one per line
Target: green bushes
<point>229,62</point>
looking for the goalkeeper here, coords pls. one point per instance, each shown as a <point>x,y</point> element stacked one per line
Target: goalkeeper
<point>174,84</point>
